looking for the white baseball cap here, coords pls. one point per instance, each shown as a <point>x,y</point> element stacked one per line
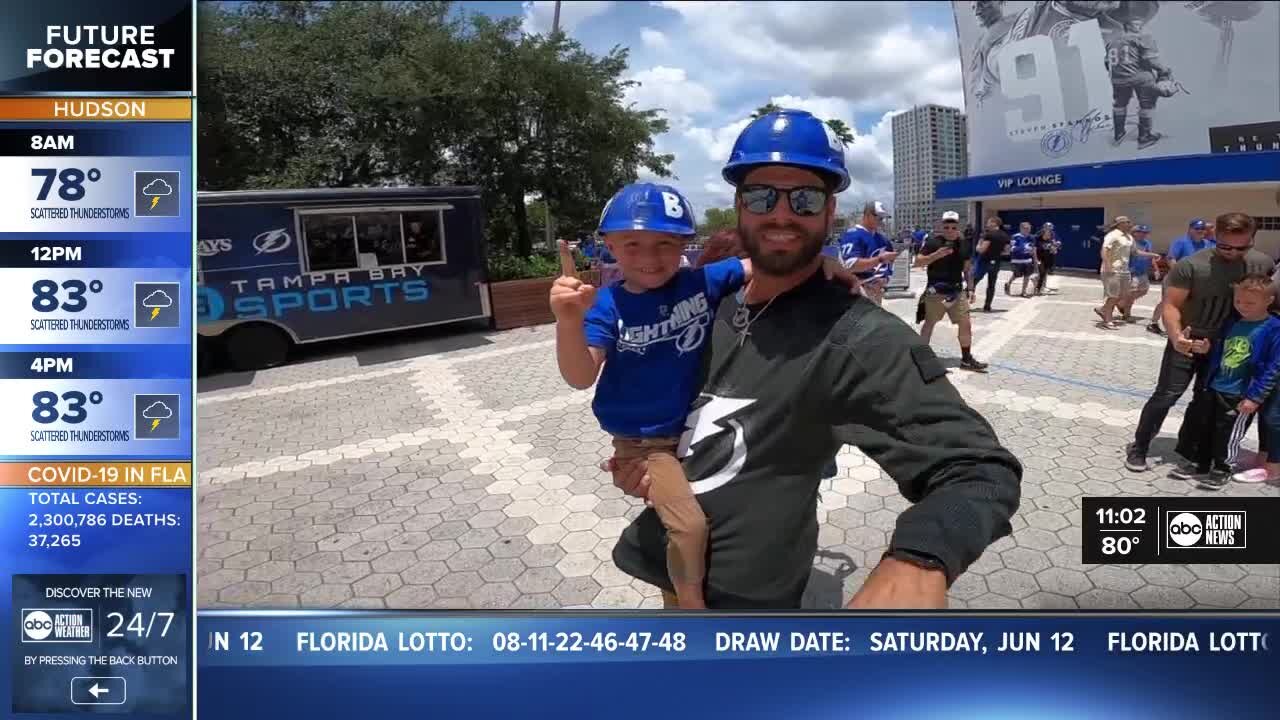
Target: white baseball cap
<point>875,207</point>
<point>951,216</point>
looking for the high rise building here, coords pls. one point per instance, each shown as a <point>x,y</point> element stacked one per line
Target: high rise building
<point>930,144</point>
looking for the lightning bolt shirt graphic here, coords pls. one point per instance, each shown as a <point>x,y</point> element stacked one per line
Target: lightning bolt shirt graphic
<point>820,370</point>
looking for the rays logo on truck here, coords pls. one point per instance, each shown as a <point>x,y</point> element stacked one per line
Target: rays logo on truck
<point>272,241</point>
<point>210,248</point>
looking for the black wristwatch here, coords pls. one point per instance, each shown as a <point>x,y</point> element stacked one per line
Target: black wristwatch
<point>928,562</point>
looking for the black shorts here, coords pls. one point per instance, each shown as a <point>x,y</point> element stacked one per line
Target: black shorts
<point>1022,269</point>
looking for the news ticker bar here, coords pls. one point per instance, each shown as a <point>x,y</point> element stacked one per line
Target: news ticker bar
<point>407,638</point>
<point>955,665</point>
<point>1183,530</point>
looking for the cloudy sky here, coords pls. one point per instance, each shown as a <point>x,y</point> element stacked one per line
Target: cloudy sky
<point>709,64</point>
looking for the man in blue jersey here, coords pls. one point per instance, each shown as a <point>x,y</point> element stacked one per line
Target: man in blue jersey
<point>1022,258</point>
<point>1140,262</point>
<point>868,253</point>
<point>1195,240</point>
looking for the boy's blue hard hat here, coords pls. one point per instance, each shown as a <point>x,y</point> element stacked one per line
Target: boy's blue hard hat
<point>788,137</point>
<point>648,206</point>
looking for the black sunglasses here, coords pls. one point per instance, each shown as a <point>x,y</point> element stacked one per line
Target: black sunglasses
<point>1235,248</point>
<point>762,199</point>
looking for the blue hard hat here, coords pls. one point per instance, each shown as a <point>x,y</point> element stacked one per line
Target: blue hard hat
<point>788,137</point>
<point>648,206</point>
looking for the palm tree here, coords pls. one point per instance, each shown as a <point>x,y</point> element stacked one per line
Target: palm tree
<point>765,109</point>
<point>843,132</point>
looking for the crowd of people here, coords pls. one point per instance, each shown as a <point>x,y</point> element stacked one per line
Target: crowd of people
<point>729,384</point>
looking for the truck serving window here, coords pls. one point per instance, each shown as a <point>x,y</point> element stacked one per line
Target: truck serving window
<point>424,236</point>
<point>379,239</point>
<point>349,240</point>
<point>330,242</point>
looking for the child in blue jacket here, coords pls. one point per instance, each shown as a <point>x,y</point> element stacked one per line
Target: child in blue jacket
<point>1244,366</point>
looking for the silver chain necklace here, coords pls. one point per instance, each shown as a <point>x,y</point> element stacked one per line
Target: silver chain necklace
<point>742,319</point>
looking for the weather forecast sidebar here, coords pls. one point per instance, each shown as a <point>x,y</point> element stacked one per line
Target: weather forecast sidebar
<point>96,359</point>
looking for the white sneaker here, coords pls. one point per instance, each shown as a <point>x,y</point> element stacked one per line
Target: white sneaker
<point>1256,475</point>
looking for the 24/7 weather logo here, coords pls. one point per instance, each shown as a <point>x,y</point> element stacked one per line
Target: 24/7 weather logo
<point>1202,529</point>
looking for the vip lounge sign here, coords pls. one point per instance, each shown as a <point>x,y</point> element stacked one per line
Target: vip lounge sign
<point>1029,182</point>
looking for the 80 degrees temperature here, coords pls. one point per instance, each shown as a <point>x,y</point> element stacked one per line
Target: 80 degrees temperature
<point>1119,544</point>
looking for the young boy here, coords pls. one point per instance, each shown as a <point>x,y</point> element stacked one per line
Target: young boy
<point>1244,365</point>
<point>1022,257</point>
<point>649,332</point>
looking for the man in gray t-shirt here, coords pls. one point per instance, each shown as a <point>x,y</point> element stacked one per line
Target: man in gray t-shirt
<point>1197,303</point>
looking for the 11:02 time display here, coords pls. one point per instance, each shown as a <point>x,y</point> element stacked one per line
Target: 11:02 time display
<point>1122,516</point>
<point>571,642</point>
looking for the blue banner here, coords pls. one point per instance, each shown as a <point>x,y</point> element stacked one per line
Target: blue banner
<point>387,664</point>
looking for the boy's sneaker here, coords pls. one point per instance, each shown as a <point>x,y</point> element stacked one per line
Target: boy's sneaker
<point>972,365</point>
<point>1135,460</point>
<point>1218,477</point>
<point>1189,471</point>
<point>1154,329</point>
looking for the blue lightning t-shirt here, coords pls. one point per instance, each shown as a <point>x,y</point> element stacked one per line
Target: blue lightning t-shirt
<point>655,342</point>
<point>1023,249</point>
<point>861,243</point>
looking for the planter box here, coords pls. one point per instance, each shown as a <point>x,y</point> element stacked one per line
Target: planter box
<point>523,303</point>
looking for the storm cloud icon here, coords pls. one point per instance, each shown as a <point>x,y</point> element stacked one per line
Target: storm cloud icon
<point>157,411</point>
<point>157,299</point>
<point>158,187</point>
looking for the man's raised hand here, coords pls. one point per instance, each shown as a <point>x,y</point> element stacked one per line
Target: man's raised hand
<point>570,297</point>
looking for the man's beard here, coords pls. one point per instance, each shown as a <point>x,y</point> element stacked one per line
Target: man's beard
<point>781,263</point>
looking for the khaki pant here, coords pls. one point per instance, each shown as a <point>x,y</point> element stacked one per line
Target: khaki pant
<point>677,508</point>
<point>935,308</point>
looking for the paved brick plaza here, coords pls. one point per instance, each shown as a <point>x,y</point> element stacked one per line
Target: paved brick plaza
<point>464,476</point>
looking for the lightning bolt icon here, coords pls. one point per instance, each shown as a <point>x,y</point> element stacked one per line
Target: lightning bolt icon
<point>710,419</point>
<point>155,424</point>
<point>154,312</point>
<point>155,200</point>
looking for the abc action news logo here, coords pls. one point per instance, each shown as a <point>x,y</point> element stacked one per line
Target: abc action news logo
<point>61,625</point>
<point>1202,529</point>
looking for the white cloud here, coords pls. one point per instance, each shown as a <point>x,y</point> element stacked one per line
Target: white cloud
<point>671,90</point>
<point>717,142</point>
<point>654,39</point>
<point>708,65</point>
<point>538,16</point>
<point>869,53</point>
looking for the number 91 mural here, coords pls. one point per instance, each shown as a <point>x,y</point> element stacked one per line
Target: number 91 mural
<point>1064,83</point>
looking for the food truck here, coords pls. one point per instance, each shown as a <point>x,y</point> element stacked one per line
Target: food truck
<point>278,268</point>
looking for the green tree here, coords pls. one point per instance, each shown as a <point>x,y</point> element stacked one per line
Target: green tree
<point>717,219</point>
<point>843,132</point>
<point>765,109</point>
<point>347,94</point>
